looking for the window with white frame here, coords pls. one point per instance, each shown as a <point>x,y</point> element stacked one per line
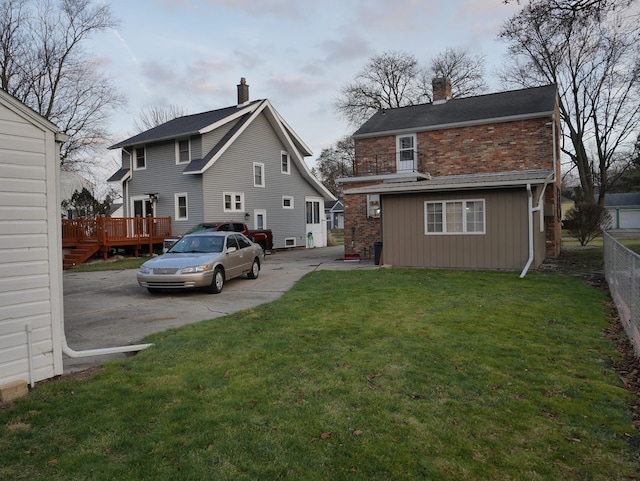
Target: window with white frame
<point>373,206</point>
<point>455,217</point>
<point>233,201</point>
<point>284,163</point>
<point>183,151</point>
<point>287,202</point>
<point>182,207</point>
<point>140,160</point>
<point>260,219</point>
<point>258,174</point>
<point>406,157</point>
<point>313,212</point>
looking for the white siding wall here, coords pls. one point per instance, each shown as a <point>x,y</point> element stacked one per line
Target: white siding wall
<point>30,252</point>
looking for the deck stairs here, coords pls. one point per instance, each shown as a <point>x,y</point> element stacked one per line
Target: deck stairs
<point>80,254</point>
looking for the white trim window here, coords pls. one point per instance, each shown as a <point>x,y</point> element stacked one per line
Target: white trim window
<point>182,206</point>
<point>285,163</point>
<point>454,217</point>
<point>290,242</point>
<point>258,174</point>
<point>183,151</point>
<point>373,206</point>
<point>287,202</point>
<point>233,201</point>
<point>406,156</point>
<point>140,159</point>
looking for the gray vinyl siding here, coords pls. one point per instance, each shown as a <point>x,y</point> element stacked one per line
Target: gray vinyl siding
<point>164,177</point>
<point>233,172</point>
<point>30,253</point>
<point>503,246</point>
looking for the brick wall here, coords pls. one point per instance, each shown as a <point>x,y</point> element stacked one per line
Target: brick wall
<point>491,148</point>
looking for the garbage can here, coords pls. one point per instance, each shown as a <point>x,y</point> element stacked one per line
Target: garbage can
<point>377,252</point>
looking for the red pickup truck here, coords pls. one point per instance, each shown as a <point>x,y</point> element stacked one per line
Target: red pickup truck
<point>263,237</point>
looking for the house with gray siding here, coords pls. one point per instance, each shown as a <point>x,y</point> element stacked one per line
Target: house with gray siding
<point>242,163</point>
<point>31,306</point>
<point>465,183</point>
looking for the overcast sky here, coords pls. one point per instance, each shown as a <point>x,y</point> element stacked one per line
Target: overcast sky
<point>296,53</point>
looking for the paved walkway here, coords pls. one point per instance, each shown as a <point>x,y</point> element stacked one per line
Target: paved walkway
<point>108,308</point>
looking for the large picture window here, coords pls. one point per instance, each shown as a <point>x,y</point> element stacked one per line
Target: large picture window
<point>454,217</point>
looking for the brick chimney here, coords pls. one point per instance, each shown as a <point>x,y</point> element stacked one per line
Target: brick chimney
<point>243,92</point>
<point>441,89</point>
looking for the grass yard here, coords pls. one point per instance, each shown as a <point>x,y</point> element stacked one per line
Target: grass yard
<point>356,375</point>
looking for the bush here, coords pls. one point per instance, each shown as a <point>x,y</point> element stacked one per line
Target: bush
<point>585,221</point>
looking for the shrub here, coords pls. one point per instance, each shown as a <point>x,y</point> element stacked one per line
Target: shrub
<point>586,221</point>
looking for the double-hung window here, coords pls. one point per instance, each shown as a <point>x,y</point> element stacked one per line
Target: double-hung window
<point>454,217</point>
<point>284,163</point>
<point>373,206</point>
<point>258,174</point>
<point>233,201</point>
<point>183,151</point>
<point>182,209</point>
<point>140,161</point>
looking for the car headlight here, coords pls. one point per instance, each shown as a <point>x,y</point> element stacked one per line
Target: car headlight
<point>194,269</point>
<point>145,270</point>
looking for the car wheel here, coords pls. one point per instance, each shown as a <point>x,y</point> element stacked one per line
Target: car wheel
<point>217,282</point>
<point>153,290</point>
<point>255,269</point>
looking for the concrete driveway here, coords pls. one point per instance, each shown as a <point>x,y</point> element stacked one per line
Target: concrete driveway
<point>108,308</point>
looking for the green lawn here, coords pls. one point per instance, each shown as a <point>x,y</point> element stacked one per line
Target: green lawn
<point>386,374</point>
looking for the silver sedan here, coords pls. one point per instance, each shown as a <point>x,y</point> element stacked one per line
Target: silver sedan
<point>204,260</point>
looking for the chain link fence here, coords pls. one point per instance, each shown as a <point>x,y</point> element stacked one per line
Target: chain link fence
<point>622,272</point>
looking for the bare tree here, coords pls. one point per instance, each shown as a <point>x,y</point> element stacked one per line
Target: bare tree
<point>396,79</point>
<point>464,70</point>
<point>151,117</point>
<point>591,54</point>
<point>387,81</point>
<point>335,162</point>
<point>43,63</point>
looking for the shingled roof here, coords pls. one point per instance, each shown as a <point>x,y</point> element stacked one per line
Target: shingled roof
<point>183,126</point>
<point>515,104</point>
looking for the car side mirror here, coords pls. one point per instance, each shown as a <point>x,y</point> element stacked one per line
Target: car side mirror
<point>231,249</point>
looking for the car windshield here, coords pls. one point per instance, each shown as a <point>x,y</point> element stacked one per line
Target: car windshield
<point>198,244</point>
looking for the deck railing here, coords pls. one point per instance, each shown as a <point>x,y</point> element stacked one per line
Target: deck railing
<point>115,230</point>
<point>389,163</point>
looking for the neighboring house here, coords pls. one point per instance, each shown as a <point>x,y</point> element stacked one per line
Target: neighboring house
<point>334,212</point>
<point>240,163</point>
<point>31,306</point>
<point>116,210</point>
<point>624,210</point>
<point>470,183</point>
<point>70,182</point>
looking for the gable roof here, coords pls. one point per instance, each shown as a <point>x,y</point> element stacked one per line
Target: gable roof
<point>187,125</point>
<point>34,117</point>
<point>503,106</point>
<point>242,116</point>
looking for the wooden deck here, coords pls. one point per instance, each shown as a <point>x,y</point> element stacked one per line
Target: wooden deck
<point>87,236</point>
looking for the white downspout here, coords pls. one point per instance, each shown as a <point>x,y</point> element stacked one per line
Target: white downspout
<point>532,210</point>
<point>530,230</point>
<point>99,352</point>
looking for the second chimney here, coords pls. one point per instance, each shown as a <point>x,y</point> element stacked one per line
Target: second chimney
<point>243,92</point>
<point>441,89</point>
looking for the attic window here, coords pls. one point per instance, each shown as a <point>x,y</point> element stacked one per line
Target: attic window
<point>285,168</point>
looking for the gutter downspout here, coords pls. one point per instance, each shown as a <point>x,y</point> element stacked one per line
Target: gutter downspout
<point>99,352</point>
<point>530,231</point>
<point>532,210</point>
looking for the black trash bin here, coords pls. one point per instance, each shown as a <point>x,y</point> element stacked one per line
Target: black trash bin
<point>377,252</point>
